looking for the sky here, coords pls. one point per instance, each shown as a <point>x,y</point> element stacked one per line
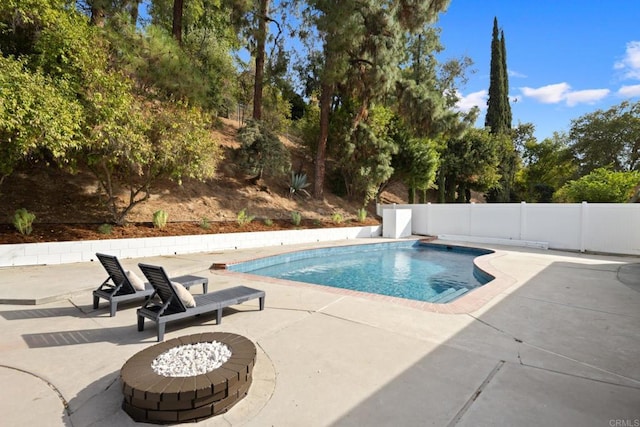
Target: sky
<point>565,58</point>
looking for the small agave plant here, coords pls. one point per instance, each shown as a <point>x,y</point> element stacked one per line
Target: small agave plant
<point>297,184</point>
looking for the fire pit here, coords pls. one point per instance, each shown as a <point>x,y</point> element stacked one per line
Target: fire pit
<point>159,398</point>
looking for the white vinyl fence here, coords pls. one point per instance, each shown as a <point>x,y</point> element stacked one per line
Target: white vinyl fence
<point>593,227</point>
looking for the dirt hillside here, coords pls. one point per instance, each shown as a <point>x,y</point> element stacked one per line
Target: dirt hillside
<point>58,198</point>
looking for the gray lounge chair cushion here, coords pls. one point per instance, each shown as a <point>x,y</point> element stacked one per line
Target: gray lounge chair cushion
<point>135,280</point>
<point>184,295</point>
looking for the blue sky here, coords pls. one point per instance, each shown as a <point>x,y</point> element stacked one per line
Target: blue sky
<point>566,58</point>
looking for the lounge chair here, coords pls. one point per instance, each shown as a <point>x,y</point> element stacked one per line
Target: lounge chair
<point>118,288</point>
<point>171,307</point>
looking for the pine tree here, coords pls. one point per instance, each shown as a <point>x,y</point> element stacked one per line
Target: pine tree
<point>498,117</point>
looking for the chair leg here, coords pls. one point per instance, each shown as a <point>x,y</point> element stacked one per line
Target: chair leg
<point>218,316</point>
<point>140,323</point>
<point>96,300</point>
<point>113,307</point>
<point>161,332</point>
<point>205,287</point>
<point>262,303</point>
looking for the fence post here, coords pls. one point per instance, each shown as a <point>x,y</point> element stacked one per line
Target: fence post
<point>523,220</point>
<point>583,225</point>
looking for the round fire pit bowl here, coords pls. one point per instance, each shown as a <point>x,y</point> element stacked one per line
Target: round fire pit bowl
<point>153,398</point>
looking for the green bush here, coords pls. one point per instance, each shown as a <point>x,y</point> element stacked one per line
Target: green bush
<point>600,186</point>
<point>105,229</point>
<point>23,221</point>
<point>296,218</point>
<point>205,224</point>
<point>362,214</point>
<point>160,219</point>
<point>244,218</point>
<point>268,222</point>
<point>337,218</point>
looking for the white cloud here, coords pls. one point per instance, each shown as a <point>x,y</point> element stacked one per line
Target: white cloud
<point>514,73</point>
<point>629,91</point>
<point>561,92</point>
<point>550,94</point>
<point>630,64</point>
<point>474,99</point>
<point>588,96</point>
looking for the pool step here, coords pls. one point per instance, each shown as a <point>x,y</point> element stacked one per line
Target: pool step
<point>449,295</point>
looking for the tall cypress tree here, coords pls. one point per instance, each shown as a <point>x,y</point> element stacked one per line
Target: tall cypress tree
<point>505,91</point>
<point>498,116</point>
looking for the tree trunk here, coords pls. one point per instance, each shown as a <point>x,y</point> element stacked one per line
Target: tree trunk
<point>176,30</point>
<point>97,16</point>
<point>326,90</point>
<point>134,11</point>
<point>441,189</point>
<point>260,54</point>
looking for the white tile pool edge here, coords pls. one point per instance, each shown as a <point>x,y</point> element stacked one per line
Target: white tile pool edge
<point>82,251</point>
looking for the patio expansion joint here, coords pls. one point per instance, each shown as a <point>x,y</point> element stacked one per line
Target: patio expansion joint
<point>49,384</point>
<point>588,365</point>
<point>555,371</point>
<point>577,307</point>
<point>476,394</point>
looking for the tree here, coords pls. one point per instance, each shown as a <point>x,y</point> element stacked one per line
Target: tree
<point>261,38</point>
<point>468,162</point>
<point>600,186</point>
<point>36,118</point>
<point>548,165</point>
<point>365,156</point>
<point>362,47</point>
<point>498,118</point>
<point>608,138</point>
<point>176,26</point>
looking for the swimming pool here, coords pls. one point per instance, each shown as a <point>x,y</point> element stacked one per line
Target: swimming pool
<point>413,270</point>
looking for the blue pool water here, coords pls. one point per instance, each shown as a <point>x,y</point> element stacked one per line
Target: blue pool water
<point>413,270</point>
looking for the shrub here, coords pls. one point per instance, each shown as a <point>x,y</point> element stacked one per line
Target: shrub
<point>105,229</point>
<point>362,214</point>
<point>205,224</point>
<point>261,151</point>
<point>337,218</point>
<point>23,221</point>
<point>268,222</point>
<point>244,218</point>
<point>160,219</point>
<point>296,218</point>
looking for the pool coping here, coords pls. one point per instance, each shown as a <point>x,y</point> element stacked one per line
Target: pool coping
<point>465,304</point>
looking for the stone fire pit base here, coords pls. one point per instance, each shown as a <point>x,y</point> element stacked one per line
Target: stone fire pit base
<point>152,398</point>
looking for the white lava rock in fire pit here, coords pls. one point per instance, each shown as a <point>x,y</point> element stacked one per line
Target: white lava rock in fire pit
<point>191,360</point>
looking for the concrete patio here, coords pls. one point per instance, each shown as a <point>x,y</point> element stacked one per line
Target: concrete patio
<point>559,346</point>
